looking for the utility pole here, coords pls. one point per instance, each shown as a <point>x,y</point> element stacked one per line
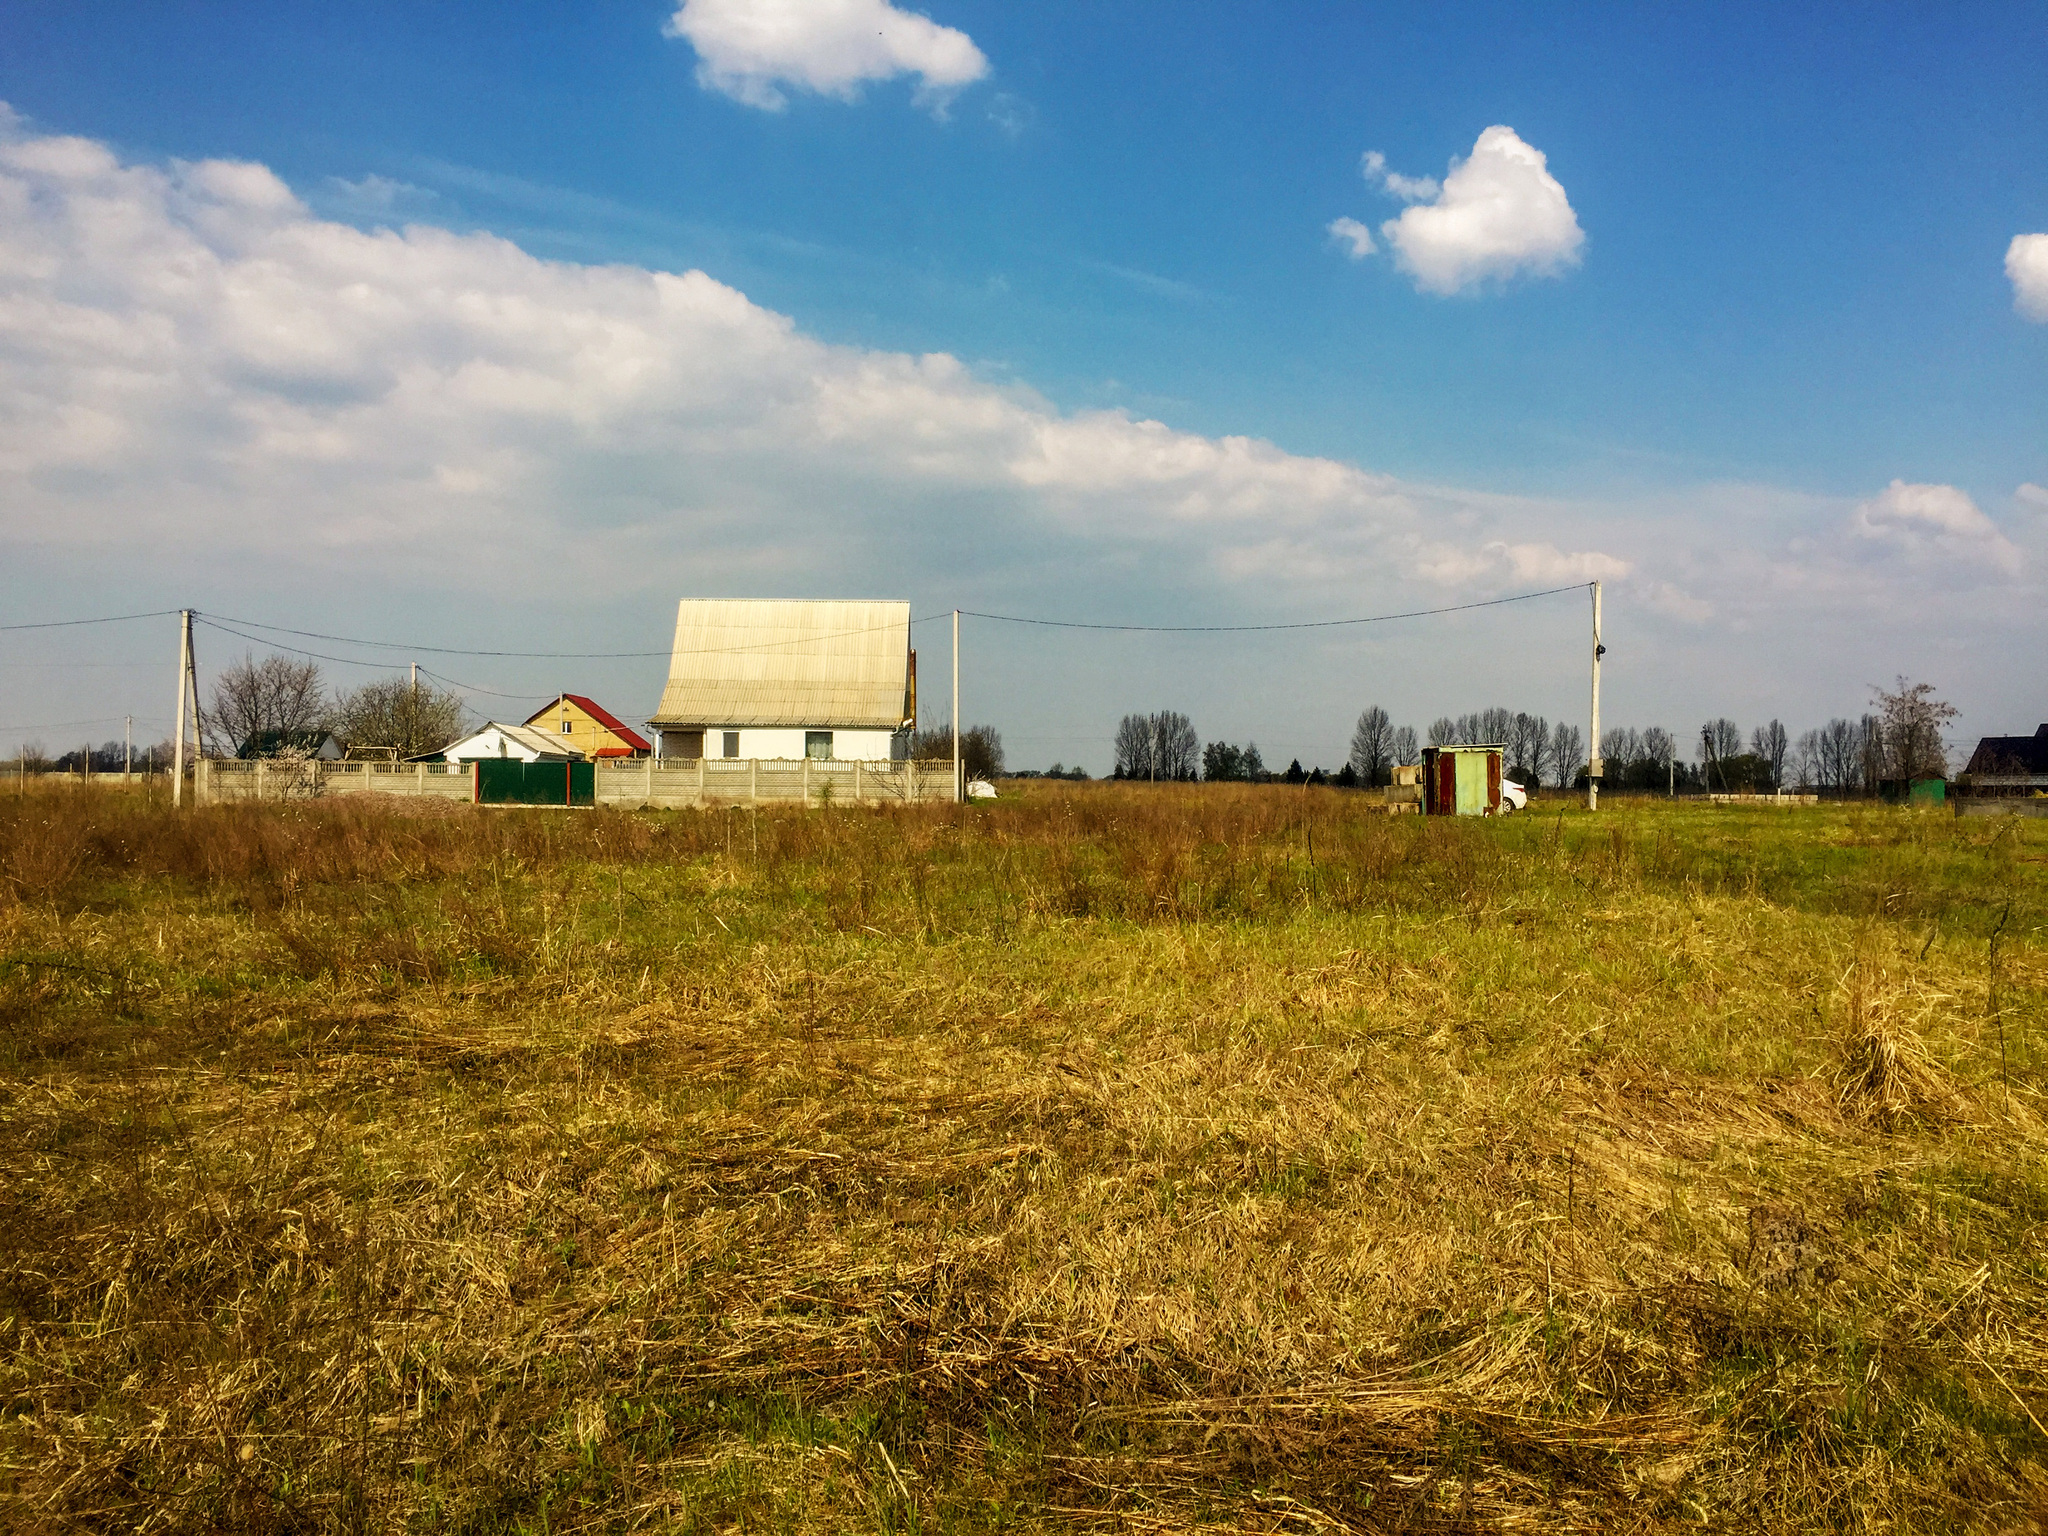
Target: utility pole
<point>128,750</point>
<point>1593,764</point>
<point>184,672</point>
<point>959,784</point>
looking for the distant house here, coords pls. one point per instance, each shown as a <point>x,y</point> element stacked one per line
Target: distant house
<point>323,745</point>
<point>523,742</point>
<point>2009,765</point>
<point>765,679</point>
<point>586,725</point>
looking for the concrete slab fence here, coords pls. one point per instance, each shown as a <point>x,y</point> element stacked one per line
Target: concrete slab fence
<point>622,782</point>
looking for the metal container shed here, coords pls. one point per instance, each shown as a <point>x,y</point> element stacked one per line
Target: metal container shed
<point>1461,780</point>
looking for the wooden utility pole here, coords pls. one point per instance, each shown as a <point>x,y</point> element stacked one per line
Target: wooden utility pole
<point>184,674</point>
<point>1594,766</point>
<point>959,784</point>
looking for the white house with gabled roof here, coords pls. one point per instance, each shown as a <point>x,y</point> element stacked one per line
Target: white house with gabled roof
<point>765,678</point>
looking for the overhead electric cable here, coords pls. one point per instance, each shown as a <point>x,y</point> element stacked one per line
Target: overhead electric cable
<point>1239,629</point>
<point>473,688</point>
<point>278,645</point>
<point>1001,618</point>
<point>449,650</point>
<point>118,618</point>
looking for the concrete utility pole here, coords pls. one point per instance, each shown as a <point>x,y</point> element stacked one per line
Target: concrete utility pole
<point>959,783</point>
<point>184,672</point>
<point>1594,766</point>
<point>128,750</point>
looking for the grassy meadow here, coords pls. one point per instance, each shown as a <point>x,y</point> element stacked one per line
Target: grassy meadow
<point>1106,1158</point>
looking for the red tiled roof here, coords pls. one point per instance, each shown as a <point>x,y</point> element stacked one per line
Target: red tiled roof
<point>605,718</point>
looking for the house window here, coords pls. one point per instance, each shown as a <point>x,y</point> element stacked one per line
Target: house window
<point>818,744</point>
<point>566,727</point>
<point>732,743</point>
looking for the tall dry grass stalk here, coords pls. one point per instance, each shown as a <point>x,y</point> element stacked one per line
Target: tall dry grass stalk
<point>1887,1074</point>
<point>1097,1160</point>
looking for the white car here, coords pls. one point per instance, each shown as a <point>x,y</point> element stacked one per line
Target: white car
<point>1512,797</point>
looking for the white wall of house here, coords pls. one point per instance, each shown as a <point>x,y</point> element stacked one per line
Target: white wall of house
<point>781,742</point>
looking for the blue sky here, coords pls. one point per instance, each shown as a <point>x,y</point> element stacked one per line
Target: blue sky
<point>1789,289</point>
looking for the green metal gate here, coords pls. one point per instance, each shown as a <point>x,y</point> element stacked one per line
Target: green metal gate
<point>508,781</point>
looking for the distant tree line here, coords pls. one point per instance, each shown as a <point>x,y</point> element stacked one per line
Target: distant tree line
<point>278,696</point>
<point>107,757</point>
<point>1899,740</point>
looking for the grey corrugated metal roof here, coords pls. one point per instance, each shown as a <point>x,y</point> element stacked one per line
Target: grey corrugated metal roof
<point>759,662</point>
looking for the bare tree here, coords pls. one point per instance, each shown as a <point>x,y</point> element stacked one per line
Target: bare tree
<point>1179,748</point>
<point>33,757</point>
<point>1372,743</point>
<point>1913,719</point>
<point>1841,751</point>
<point>1528,736</point>
<point>391,712</point>
<point>981,752</point>
<point>1443,730</point>
<point>1722,738</point>
<point>1658,749</point>
<point>1620,750</point>
<point>1567,754</point>
<point>1806,759</point>
<point>981,748</point>
<point>1770,744</point>
<point>1157,746</point>
<point>1134,758</point>
<point>1870,763</point>
<point>253,698</point>
<point>1405,748</point>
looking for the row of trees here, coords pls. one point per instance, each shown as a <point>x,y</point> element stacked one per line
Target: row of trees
<point>1535,751</point>
<point>107,757</point>
<point>1158,747</point>
<point>1900,739</point>
<point>281,695</point>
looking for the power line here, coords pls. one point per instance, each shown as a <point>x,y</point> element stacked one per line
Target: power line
<point>119,618</point>
<point>473,688</point>
<point>449,650</point>
<point>1239,629</point>
<point>346,661</point>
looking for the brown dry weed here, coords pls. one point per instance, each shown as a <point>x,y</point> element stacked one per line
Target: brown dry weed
<point>1107,1159</point>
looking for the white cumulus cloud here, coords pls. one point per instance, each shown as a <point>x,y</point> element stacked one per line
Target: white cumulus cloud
<point>204,385</point>
<point>1410,189</point>
<point>751,49</point>
<point>2026,263</point>
<point>1937,520</point>
<point>1499,213</point>
<point>1353,235</point>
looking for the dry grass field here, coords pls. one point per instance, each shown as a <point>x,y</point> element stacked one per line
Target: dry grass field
<point>1108,1159</point>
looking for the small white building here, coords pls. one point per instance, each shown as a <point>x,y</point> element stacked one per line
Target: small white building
<point>522,742</point>
<point>783,679</point>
